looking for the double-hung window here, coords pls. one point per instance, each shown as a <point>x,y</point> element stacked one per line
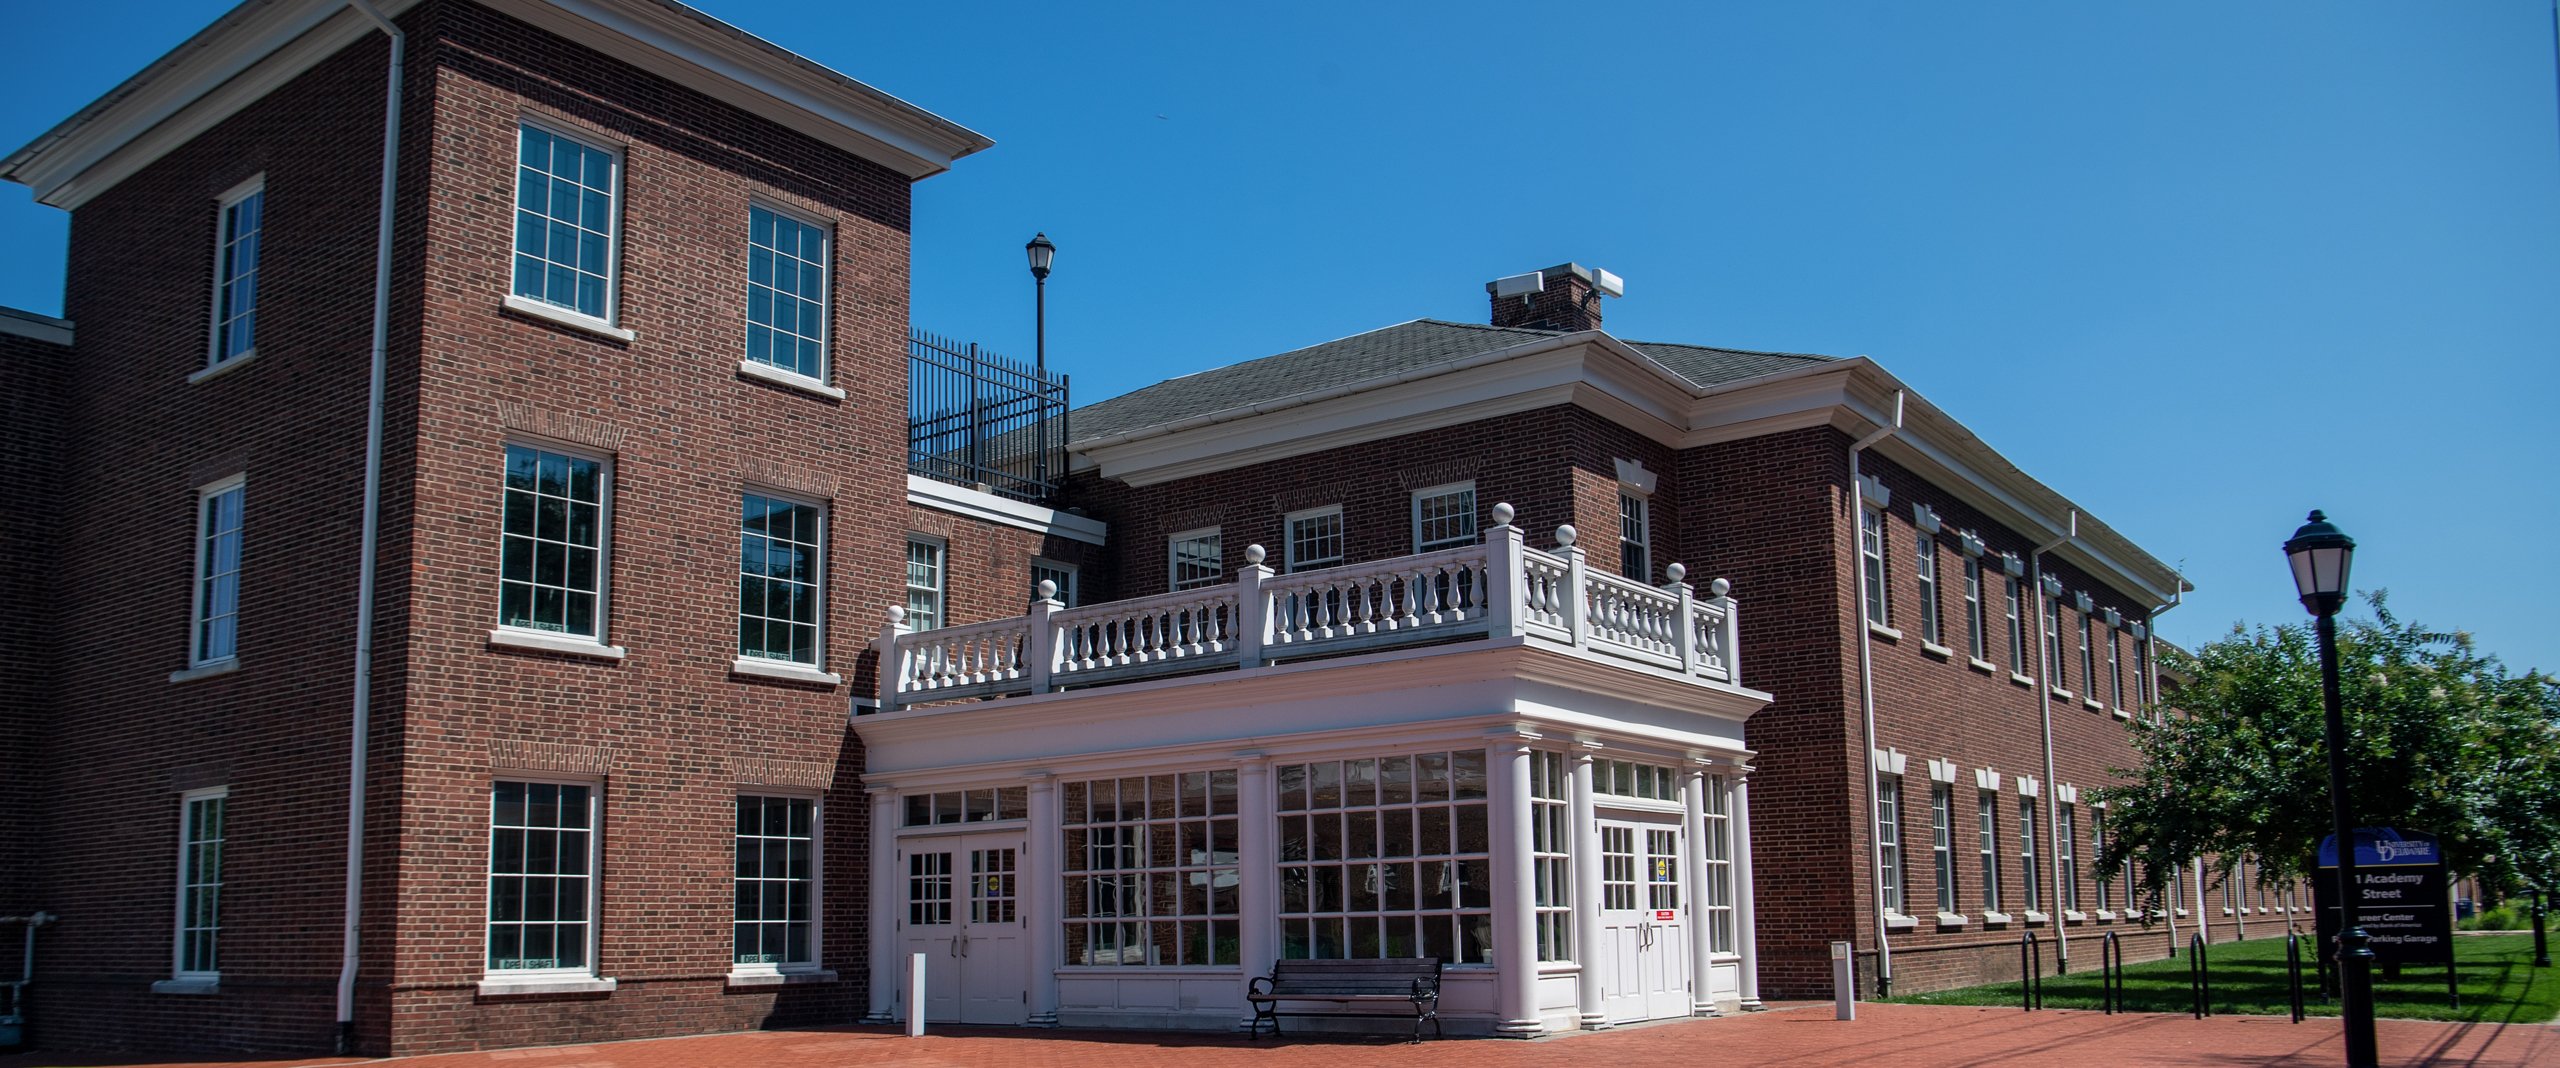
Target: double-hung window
<point>1889,841</point>
<point>1315,538</point>
<point>2115,668</point>
<point>551,573</point>
<point>1871,558</point>
<point>1977,637</point>
<point>1444,517</point>
<point>1064,575</point>
<point>565,222</point>
<point>2098,847</point>
<point>217,580</point>
<point>777,883</point>
<point>786,293</point>
<point>1924,567</point>
<point>200,837</point>
<point>925,577</point>
<point>779,560</point>
<point>2065,829</point>
<point>240,233</point>
<point>541,887</point>
<point>2053,654</point>
<point>1990,846</point>
<point>2088,658</point>
<point>2027,853</point>
<point>1635,537</point>
<point>1942,842</point>
<point>2017,627</point>
<point>1195,558</point>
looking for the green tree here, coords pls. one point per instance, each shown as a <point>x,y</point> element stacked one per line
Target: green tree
<point>2440,737</point>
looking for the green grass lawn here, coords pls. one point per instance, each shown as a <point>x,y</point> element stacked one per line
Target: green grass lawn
<point>2499,983</point>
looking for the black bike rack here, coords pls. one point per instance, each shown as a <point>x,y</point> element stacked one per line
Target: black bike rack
<point>2030,972</point>
<point>2293,972</point>
<point>2199,976</point>
<point>2111,975</point>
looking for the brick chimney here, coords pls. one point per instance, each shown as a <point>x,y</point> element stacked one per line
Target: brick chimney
<point>1565,297</point>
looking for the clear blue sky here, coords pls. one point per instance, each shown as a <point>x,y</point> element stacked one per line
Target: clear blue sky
<point>2199,266</point>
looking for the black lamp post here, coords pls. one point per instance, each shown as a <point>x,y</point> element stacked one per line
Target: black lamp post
<point>1041,252</point>
<point>2321,554</point>
<point>2541,944</point>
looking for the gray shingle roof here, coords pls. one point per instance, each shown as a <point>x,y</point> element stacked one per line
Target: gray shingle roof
<point>1398,348</point>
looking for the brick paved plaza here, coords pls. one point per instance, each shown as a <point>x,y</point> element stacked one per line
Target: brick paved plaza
<point>1797,1037</point>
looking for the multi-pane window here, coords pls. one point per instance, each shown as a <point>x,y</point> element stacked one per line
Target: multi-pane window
<point>2088,657</point>
<point>551,567</point>
<point>2065,828</point>
<point>1635,538</point>
<point>1977,636</point>
<point>1444,517</point>
<point>2098,846</point>
<point>1062,575</point>
<point>786,293</point>
<point>2115,667</point>
<point>968,806</point>
<point>2017,627</point>
<point>1662,869</point>
<point>1618,868</point>
<point>928,889</point>
<point>1386,857</point>
<point>1990,851</point>
<point>1889,841</point>
<point>564,223</point>
<point>235,275</point>
<point>1196,558</point>
<point>1315,539</point>
<point>924,584</point>
<point>1551,854</point>
<point>1625,778</point>
<point>2146,688</point>
<point>2053,655</point>
<point>200,882</point>
<point>540,854</point>
<point>1942,842</point>
<point>1871,558</point>
<point>2027,854</point>
<point>1924,566</point>
<point>778,566</point>
<point>1151,869</point>
<point>217,629</point>
<point>777,880</point>
<point>1716,853</point>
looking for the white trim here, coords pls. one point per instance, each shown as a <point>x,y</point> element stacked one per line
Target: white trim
<point>501,986</point>
<point>826,307</point>
<point>546,980</point>
<point>775,667</point>
<point>1631,474</point>
<point>780,377</point>
<point>213,358</point>
<point>211,979</point>
<point>746,975</point>
<point>198,666</point>
<point>1289,537</point>
<point>1413,511</point>
<point>31,325</point>
<point>562,316</point>
<point>811,970</point>
<point>1173,564</point>
<point>1068,591</point>
<point>561,641</point>
<point>784,669</point>
<point>610,322</point>
<point>547,641</point>
<point>186,986</point>
<point>218,667</point>
<point>218,369</point>
<point>980,504</point>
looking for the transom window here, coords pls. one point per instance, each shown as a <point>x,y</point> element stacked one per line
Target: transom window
<point>564,222</point>
<point>1151,869</point>
<point>217,629</point>
<point>540,856</point>
<point>1444,517</point>
<point>551,573</point>
<point>778,568</point>
<point>1386,857</point>
<point>924,584</point>
<point>1197,559</point>
<point>777,879</point>
<point>1315,539</point>
<point>235,273</point>
<point>786,292</point>
<point>968,806</point>
<point>1551,853</point>
<point>1626,778</point>
<point>1871,557</point>
<point>200,882</point>
<point>1635,538</point>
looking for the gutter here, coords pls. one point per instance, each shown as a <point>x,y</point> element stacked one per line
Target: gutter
<point>361,716</point>
<point>2052,790</point>
<point>1867,691</point>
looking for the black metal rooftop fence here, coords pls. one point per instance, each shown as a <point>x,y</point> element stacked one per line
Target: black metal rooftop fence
<point>979,419</point>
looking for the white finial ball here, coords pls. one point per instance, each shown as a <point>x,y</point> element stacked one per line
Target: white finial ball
<point>1565,535</point>
<point>1048,590</point>
<point>897,613</point>
<point>1719,587</point>
<point>1675,572</point>
<point>1502,514</point>
<point>1253,554</point>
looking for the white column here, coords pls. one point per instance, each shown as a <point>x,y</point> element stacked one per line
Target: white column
<point>1515,914</point>
<point>1693,887</point>
<point>1587,944</point>
<point>1257,874</point>
<point>886,975</point>
<point>1746,922</point>
<point>1042,873</point>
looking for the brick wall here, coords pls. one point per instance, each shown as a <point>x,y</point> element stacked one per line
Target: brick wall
<point>31,434</point>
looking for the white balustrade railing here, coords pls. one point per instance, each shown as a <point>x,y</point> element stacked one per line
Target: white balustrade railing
<point>1499,588</point>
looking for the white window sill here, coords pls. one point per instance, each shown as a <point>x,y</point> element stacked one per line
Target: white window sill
<point>2182,912</point>
<point>1895,921</point>
<point>2106,916</point>
<point>1984,666</point>
<point>1936,650</point>
<point>1953,919</point>
<point>1885,632</point>
<point>188,986</point>
<point>502,986</point>
<point>220,369</point>
<point>2226,912</point>
<point>2035,919</point>
<point>2060,693</point>
<point>2121,714</point>
<point>567,318</point>
<point>782,669</point>
<point>2093,704</point>
<point>766,978</point>
<point>554,643</point>
<point>2069,916</point>
<point>1989,918</point>
<point>218,667</point>
<point>780,377</point>
<point>2022,680</point>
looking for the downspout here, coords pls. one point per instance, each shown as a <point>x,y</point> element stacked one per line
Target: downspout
<point>361,716</point>
<point>2044,701</point>
<point>1867,688</point>
<point>2150,684</point>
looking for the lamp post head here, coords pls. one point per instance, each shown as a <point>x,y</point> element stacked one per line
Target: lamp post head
<point>1040,251</point>
<point>2320,554</point>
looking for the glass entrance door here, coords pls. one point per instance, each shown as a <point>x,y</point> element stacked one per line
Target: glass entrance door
<point>1644,945</point>
<point>964,914</point>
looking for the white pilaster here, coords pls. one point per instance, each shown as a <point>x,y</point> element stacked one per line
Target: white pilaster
<point>1042,873</point>
<point>1257,874</point>
<point>885,913</point>
<point>1746,921</point>
<point>1586,893</point>
<point>1693,889</point>
<point>1515,915</point>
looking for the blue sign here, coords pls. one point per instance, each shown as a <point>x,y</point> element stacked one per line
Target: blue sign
<point>2378,847</point>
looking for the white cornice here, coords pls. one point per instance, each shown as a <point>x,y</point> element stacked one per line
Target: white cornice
<point>989,507</point>
<point>263,44</point>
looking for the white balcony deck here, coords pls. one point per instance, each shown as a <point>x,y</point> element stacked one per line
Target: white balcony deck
<point>1498,590</point>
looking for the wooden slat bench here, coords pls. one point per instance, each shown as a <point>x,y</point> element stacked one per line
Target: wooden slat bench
<point>1412,980</point>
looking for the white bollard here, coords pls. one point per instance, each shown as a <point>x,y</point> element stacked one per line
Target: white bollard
<point>915,996</point>
<point>1844,982</point>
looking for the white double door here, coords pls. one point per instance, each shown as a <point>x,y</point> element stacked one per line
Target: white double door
<point>964,913</point>
<point>1645,951</point>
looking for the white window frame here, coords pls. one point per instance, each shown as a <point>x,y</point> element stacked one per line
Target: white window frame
<point>507,634</point>
<point>214,356</point>
<point>1924,568</point>
<point>2017,624</point>
<point>1891,881</point>
<point>817,883</point>
<point>2029,878</point>
<point>611,320</point>
<point>1976,616</point>
<point>1434,493</point>
<point>1173,558</point>
<point>206,495</point>
<point>1043,567</point>
<point>941,590</point>
<point>1987,827</point>
<point>178,969</point>
<point>1942,842</point>
<point>826,532</point>
<point>1641,546</point>
<point>1872,532</point>
<point>595,878</point>
<point>2066,829</point>
<point>2115,668</point>
<point>826,307</point>
<point>1341,535</point>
